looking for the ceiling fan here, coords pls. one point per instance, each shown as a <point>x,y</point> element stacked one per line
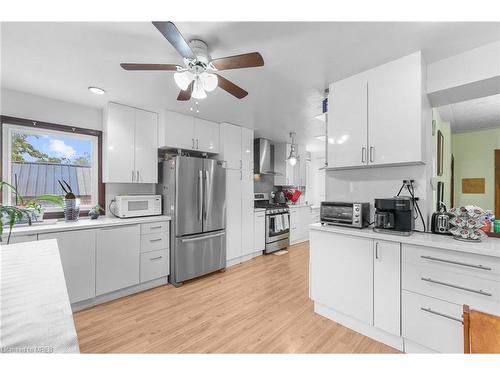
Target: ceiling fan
<point>199,73</point>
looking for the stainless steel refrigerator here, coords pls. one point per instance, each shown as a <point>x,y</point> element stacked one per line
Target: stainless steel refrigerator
<point>194,195</point>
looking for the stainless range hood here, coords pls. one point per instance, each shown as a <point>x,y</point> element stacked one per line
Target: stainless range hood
<point>263,156</point>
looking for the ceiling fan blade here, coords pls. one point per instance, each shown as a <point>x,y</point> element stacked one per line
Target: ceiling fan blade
<point>247,60</point>
<point>128,66</point>
<point>173,35</point>
<point>231,88</point>
<point>186,94</point>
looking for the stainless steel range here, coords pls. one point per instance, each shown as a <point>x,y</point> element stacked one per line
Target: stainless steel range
<point>277,222</point>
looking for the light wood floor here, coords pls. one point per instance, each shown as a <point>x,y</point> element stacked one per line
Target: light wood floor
<point>261,306</point>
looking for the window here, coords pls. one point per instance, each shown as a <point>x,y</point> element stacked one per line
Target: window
<point>35,158</point>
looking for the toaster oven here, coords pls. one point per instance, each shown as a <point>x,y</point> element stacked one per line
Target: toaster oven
<point>350,214</point>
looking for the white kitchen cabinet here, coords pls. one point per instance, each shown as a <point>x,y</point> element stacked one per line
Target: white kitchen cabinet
<point>178,131</point>
<point>347,122</point>
<point>146,154</point>
<point>117,258</point>
<point>395,107</point>
<point>236,147</point>
<point>130,145</point>
<point>300,218</point>
<point>387,286</point>
<point>78,257</point>
<point>247,217</point>
<point>365,108</point>
<point>259,242</point>
<point>189,133</point>
<point>206,135</point>
<point>247,149</point>
<point>341,273</point>
<point>233,214</point>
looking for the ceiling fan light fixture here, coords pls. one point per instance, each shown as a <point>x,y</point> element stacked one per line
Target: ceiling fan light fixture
<point>183,79</point>
<point>198,91</point>
<point>209,81</point>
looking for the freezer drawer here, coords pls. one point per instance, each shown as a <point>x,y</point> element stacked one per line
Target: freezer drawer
<point>198,255</point>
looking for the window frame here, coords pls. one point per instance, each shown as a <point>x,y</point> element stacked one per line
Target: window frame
<point>39,126</point>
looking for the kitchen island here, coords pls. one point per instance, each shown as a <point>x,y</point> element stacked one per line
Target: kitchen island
<point>407,292</point>
<point>35,314</point>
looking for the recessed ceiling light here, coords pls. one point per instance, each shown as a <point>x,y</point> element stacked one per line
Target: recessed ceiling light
<point>96,90</point>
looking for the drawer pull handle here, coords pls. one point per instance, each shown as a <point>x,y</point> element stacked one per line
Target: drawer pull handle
<point>429,310</point>
<point>156,240</point>
<point>428,279</point>
<point>454,262</point>
<point>156,258</point>
<point>157,227</point>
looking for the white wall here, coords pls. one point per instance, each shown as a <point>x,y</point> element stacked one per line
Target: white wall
<point>33,107</point>
<point>471,66</point>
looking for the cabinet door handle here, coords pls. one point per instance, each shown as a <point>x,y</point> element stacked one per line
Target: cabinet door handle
<point>455,262</point>
<point>197,146</point>
<point>372,154</point>
<point>156,240</point>
<point>156,258</point>
<point>376,250</point>
<point>429,280</point>
<point>192,140</point>
<point>429,310</point>
<point>363,154</point>
<point>133,175</point>
<point>138,176</point>
<point>157,227</point>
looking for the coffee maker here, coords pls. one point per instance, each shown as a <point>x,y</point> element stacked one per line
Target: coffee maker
<point>394,215</point>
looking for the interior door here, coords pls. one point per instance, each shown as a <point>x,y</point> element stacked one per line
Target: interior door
<point>146,139</point>
<point>347,123</point>
<point>214,203</point>
<point>189,201</point>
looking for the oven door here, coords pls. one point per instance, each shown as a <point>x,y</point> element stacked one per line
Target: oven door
<point>272,234</point>
<point>137,206</point>
<point>340,213</point>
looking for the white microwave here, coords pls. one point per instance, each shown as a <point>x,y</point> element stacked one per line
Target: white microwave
<point>137,205</point>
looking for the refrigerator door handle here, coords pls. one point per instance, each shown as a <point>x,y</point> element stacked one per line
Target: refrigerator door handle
<point>200,195</point>
<point>206,201</point>
<point>192,239</point>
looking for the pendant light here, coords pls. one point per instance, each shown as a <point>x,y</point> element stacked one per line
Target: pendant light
<point>293,157</point>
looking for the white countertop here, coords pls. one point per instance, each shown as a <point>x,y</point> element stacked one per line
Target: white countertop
<point>258,209</point>
<point>83,223</point>
<point>36,313</point>
<point>488,246</point>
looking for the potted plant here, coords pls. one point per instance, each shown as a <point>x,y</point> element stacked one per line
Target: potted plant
<point>25,211</point>
<point>95,211</point>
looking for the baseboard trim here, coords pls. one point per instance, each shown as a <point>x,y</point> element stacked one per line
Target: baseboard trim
<point>243,258</point>
<point>77,306</point>
<point>414,348</point>
<point>377,334</point>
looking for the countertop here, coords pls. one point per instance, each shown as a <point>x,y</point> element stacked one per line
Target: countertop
<point>488,246</point>
<point>258,209</point>
<point>299,205</point>
<point>83,223</point>
<point>36,313</point>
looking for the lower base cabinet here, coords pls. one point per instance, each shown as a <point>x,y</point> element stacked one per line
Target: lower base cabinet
<point>78,257</point>
<point>341,273</point>
<point>117,258</point>
<point>154,264</point>
<point>259,243</point>
<point>433,323</point>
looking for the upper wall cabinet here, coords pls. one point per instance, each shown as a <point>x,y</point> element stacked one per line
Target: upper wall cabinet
<point>189,133</point>
<point>236,146</point>
<point>378,117</point>
<point>130,145</point>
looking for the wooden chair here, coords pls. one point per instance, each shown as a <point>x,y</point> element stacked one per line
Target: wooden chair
<point>481,332</point>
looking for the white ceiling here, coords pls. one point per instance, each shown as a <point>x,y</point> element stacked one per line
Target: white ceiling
<point>60,60</point>
<point>481,113</point>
